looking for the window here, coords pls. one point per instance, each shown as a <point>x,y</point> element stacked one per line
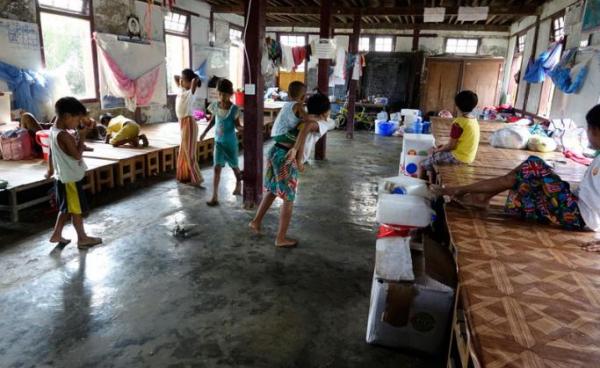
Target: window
<point>294,41</point>
<point>521,43</point>
<point>383,44</point>
<point>235,35</point>
<point>363,44</point>
<point>177,42</point>
<point>584,43</point>
<point>67,51</point>
<point>462,45</point>
<point>558,28</point>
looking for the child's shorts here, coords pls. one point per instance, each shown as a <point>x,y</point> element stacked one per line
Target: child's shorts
<point>129,131</point>
<point>439,158</point>
<point>226,153</point>
<point>70,197</point>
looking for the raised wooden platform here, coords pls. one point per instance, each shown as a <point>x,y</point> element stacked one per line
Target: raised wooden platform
<point>528,295</point>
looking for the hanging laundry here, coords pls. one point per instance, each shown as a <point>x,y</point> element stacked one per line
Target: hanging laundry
<point>537,69</point>
<point>340,64</point>
<point>31,90</point>
<point>568,76</point>
<point>274,50</point>
<point>287,59</point>
<point>136,92</point>
<point>299,55</point>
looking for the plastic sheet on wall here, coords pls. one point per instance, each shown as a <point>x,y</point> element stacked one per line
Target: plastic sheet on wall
<point>538,68</point>
<point>569,76</point>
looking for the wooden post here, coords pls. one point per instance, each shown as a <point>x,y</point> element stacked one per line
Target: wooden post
<point>532,57</point>
<point>323,73</point>
<point>253,102</point>
<point>415,43</point>
<point>353,49</point>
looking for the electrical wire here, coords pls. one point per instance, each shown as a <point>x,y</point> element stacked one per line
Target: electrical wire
<point>247,21</point>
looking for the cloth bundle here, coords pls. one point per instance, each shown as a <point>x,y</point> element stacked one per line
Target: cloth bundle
<point>537,69</point>
<point>568,76</point>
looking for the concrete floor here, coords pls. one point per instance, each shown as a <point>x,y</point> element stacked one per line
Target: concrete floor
<point>220,298</point>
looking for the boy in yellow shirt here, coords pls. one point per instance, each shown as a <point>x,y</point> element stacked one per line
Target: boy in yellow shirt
<point>121,130</point>
<point>464,137</point>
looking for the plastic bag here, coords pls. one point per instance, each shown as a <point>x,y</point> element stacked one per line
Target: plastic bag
<point>515,137</point>
<point>541,144</point>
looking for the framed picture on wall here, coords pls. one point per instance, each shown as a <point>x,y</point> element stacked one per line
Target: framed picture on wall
<point>591,16</point>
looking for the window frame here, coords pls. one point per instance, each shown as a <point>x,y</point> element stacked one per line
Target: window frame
<point>548,88</point>
<point>518,49</point>
<point>368,38</point>
<point>554,29</point>
<point>478,39</point>
<point>373,42</point>
<point>90,18</point>
<point>187,35</point>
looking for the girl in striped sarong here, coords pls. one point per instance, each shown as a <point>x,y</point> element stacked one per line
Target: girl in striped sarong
<point>188,170</point>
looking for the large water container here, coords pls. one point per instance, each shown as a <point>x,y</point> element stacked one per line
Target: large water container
<point>406,210</point>
<point>411,186</point>
<point>385,128</point>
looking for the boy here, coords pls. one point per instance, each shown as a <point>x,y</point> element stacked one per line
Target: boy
<point>281,176</point>
<point>67,166</point>
<point>464,137</point>
<point>126,131</point>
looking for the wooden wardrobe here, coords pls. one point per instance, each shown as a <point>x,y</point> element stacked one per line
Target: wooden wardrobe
<point>444,77</point>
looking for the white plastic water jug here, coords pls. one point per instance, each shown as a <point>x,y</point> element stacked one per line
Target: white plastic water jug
<point>405,210</point>
<point>411,186</point>
<point>415,148</point>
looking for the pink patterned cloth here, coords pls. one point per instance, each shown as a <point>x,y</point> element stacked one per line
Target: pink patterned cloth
<point>139,90</point>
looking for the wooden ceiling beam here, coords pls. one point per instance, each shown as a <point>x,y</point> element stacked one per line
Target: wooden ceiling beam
<point>525,10</point>
<point>401,26</point>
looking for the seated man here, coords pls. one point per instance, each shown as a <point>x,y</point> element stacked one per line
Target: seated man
<point>126,131</point>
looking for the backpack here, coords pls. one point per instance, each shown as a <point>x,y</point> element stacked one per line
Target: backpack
<point>16,144</point>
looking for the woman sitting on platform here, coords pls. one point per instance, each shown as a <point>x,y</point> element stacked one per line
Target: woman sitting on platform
<point>536,192</point>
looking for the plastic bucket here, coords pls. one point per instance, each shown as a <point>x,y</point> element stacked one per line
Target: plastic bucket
<point>42,137</point>
<point>238,98</point>
<point>384,128</point>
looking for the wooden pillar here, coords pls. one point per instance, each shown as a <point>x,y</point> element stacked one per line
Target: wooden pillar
<point>415,41</point>
<point>253,102</point>
<point>532,57</point>
<point>323,72</point>
<point>353,49</point>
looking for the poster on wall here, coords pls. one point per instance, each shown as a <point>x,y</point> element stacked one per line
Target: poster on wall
<point>591,16</point>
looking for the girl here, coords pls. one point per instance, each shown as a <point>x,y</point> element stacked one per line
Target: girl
<point>537,193</point>
<point>226,116</point>
<point>281,177</point>
<point>188,170</point>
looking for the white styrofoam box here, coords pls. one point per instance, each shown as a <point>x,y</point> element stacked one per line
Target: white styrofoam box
<point>413,315</point>
<point>407,112</point>
<point>406,210</point>
<point>415,149</point>
<point>393,261</point>
<point>412,186</point>
<point>5,107</point>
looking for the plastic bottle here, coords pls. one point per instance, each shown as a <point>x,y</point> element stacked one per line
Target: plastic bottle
<point>418,126</point>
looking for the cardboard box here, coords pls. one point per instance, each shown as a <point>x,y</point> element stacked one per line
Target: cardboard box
<point>415,315</point>
<point>393,262</point>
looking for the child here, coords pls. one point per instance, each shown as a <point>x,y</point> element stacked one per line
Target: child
<point>126,131</point>
<point>67,166</point>
<point>188,170</point>
<point>537,193</point>
<point>281,176</point>
<point>226,117</point>
<point>464,137</point>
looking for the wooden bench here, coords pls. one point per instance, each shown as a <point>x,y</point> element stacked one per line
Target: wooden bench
<point>130,162</point>
<point>528,295</point>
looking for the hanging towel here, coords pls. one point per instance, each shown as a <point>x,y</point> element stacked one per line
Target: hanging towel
<point>568,78</point>
<point>299,55</point>
<point>287,59</point>
<point>537,69</point>
<point>31,90</point>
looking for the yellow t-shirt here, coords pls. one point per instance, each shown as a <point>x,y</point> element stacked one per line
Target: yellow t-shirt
<point>117,123</point>
<point>468,142</point>
<point>122,128</point>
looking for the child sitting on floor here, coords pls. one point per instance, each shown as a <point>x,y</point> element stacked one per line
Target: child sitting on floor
<point>125,130</point>
<point>226,117</point>
<point>68,168</point>
<point>464,137</point>
<point>537,193</point>
<point>281,175</point>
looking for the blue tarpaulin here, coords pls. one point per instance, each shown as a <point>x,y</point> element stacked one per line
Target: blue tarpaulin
<point>30,89</point>
<point>538,68</point>
<point>561,74</point>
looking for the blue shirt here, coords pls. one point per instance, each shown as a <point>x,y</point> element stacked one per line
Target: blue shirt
<point>224,122</point>
<point>286,120</point>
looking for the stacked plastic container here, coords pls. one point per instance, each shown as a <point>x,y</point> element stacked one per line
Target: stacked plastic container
<point>409,308</point>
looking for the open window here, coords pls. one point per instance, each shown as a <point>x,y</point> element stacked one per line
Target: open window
<point>364,44</point>
<point>515,69</point>
<point>67,47</point>
<point>384,44</point>
<point>557,34</point>
<point>467,46</point>
<point>177,42</point>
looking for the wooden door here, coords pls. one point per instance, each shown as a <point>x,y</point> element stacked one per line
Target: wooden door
<point>441,85</point>
<point>483,77</point>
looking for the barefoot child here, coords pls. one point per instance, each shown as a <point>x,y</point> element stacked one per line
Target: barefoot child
<point>281,176</point>
<point>188,170</point>
<point>126,131</point>
<point>226,117</point>
<point>68,168</point>
<point>464,137</point>
<point>537,193</point>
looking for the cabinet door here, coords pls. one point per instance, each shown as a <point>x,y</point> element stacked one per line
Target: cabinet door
<point>482,77</point>
<point>441,85</point>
